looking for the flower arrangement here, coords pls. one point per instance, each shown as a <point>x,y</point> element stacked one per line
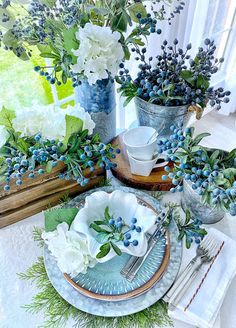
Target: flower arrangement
<point>211,173</point>
<point>174,78</point>
<point>31,144</point>
<point>113,224</point>
<point>64,31</point>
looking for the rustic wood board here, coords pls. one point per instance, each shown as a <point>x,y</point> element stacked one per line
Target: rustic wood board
<point>122,172</point>
<point>40,193</point>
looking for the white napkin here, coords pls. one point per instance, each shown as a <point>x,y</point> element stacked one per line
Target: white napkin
<point>205,307</point>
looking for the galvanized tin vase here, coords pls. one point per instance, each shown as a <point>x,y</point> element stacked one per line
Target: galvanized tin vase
<point>99,100</point>
<point>191,200</point>
<point>161,117</point>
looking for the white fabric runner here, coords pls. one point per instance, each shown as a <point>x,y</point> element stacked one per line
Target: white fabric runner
<point>18,251</point>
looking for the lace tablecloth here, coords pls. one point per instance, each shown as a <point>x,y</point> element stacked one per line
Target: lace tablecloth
<point>18,251</point>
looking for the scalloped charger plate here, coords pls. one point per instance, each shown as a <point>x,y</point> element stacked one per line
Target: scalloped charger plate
<point>128,305</point>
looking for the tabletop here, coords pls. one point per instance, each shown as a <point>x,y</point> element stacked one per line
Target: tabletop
<point>18,251</point>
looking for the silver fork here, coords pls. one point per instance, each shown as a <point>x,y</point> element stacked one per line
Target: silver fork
<point>205,253</point>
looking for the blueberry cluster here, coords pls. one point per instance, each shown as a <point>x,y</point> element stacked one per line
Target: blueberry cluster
<point>20,164</point>
<point>191,229</point>
<point>174,78</point>
<point>44,155</point>
<point>52,77</point>
<point>119,224</point>
<point>211,173</point>
<point>127,235</point>
<point>161,14</point>
<point>90,156</point>
<point>191,234</point>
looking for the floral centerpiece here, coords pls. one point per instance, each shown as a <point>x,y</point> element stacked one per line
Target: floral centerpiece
<point>199,171</point>
<point>85,41</point>
<point>37,139</point>
<point>173,83</point>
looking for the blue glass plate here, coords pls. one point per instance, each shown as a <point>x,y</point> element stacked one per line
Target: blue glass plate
<point>105,282</point>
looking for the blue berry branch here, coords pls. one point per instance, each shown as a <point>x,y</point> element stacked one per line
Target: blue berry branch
<point>211,172</point>
<point>173,78</point>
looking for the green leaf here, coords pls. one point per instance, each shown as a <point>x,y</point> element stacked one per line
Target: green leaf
<point>187,76</point>
<point>168,87</point>
<point>70,42</point>
<point>22,145</point>
<point>9,39</point>
<point>180,153</point>
<point>187,243</point>
<point>6,117</point>
<point>200,137</point>
<point>119,22</point>
<point>222,182</point>
<point>104,250</point>
<point>102,237</point>
<point>116,249</point>
<point>49,167</point>
<point>97,228</point>
<point>230,173</point>
<point>214,155</point>
<point>99,222</point>
<point>181,235</point>
<point>73,125</point>
<point>195,149</point>
<point>202,82</point>
<point>188,216</point>
<point>48,55</point>
<point>230,156</point>
<point>64,77</point>
<point>56,216</point>
<point>107,214</point>
<point>136,8</point>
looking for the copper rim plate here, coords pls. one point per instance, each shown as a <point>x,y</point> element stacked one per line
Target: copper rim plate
<point>104,281</point>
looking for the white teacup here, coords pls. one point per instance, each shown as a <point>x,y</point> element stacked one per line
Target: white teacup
<point>140,167</point>
<point>141,142</point>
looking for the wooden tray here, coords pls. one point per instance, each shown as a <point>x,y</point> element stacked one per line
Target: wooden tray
<point>122,172</point>
<point>35,195</point>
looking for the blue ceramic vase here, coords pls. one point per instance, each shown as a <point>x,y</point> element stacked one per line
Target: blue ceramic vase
<point>161,117</point>
<point>100,102</point>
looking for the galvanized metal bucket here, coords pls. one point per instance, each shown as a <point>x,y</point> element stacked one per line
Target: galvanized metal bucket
<point>161,117</point>
<point>191,200</point>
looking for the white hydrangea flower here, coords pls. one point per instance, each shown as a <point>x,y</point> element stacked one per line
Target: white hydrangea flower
<point>70,250</point>
<point>99,53</point>
<point>49,120</point>
<point>4,135</point>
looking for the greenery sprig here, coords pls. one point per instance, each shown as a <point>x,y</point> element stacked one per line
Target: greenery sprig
<point>57,311</point>
<point>111,231</point>
<point>189,227</point>
<point>34,156</point>
<point>51,27</point>
<point>173,78</point>
<point>211,172</point>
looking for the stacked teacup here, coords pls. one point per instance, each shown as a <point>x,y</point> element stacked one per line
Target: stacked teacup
<point>141,147</point>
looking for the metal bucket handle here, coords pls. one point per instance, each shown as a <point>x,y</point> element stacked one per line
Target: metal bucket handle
<point>197,109</point>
